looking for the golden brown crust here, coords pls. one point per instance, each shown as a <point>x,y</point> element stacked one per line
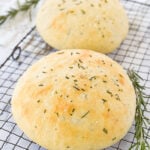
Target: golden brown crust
<point>74,99</point>
<point>97,25</point>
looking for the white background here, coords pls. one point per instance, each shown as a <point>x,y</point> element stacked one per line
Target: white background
<point>13,30</point>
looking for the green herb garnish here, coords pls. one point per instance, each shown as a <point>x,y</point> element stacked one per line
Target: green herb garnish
<point>45,111</point>
<point>73,110</point>
<point>91,5</point>
<point>60,53</point>
<point>56,92</point>
<point>71,67</point>
<point>40,85</point>
<point>104,81</point>
<point>76,88</point>
<point>113,138</point>
<point>77,53</point>
<point>20,8</point>
<point>83,11</point>
<point>66,77</point>
<point>38,101</point>
<point>43,71</point>
<point>82,89</point>
<point>85,114</point>
<point>117,97</point>
<point>92,78</point>
<point>141,121</point>
<point>57,114</point>
<point>105,130</point>
<point>110,93</point>
<point>75,80</point>
<point>80,66</point>
<point>103,60</point>
<point>61,9</point>
<point>80,61</point>
<point>120,90</point>
<point>104,100</point>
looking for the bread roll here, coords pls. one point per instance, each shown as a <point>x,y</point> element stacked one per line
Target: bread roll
<point>100,25</point>
<point>76,100</point>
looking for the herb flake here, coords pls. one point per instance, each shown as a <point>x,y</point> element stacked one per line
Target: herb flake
<point>104,100</point>
<point>83,11</point>
<point>110,93</point>
<point>85,114</point>
<point>76,88</point>
<point>113,138</point>
<point>66,77</point>
<point>57,114</point>
<point>92,78</point>
<point>105,131</point>
<point>45,111</point>
<point>38,101</point>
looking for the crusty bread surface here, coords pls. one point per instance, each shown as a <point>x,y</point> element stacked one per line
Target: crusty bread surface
<point>100,25</point>
<point>74,99</point>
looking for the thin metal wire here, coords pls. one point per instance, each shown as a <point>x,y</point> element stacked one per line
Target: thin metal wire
<point>134,52</point>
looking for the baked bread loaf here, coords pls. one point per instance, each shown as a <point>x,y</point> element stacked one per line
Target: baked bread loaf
<point>68,24</point>
<point>74,99</point>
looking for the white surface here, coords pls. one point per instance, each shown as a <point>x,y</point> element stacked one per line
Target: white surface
<point>13,30</point>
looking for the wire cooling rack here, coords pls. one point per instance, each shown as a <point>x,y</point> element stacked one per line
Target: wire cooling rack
<point>133,53</point>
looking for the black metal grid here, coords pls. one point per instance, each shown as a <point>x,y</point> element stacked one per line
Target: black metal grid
<point>134,52</point>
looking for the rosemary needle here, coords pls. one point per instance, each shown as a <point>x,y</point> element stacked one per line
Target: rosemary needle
<point>141,121</point>
<point>20,8</point>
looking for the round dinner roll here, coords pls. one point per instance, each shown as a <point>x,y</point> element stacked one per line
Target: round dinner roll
<point>100,25</point>
<point>74,100</point>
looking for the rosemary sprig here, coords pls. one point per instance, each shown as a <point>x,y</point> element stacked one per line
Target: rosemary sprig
<point>141,121</point>
<point>27,5</point>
